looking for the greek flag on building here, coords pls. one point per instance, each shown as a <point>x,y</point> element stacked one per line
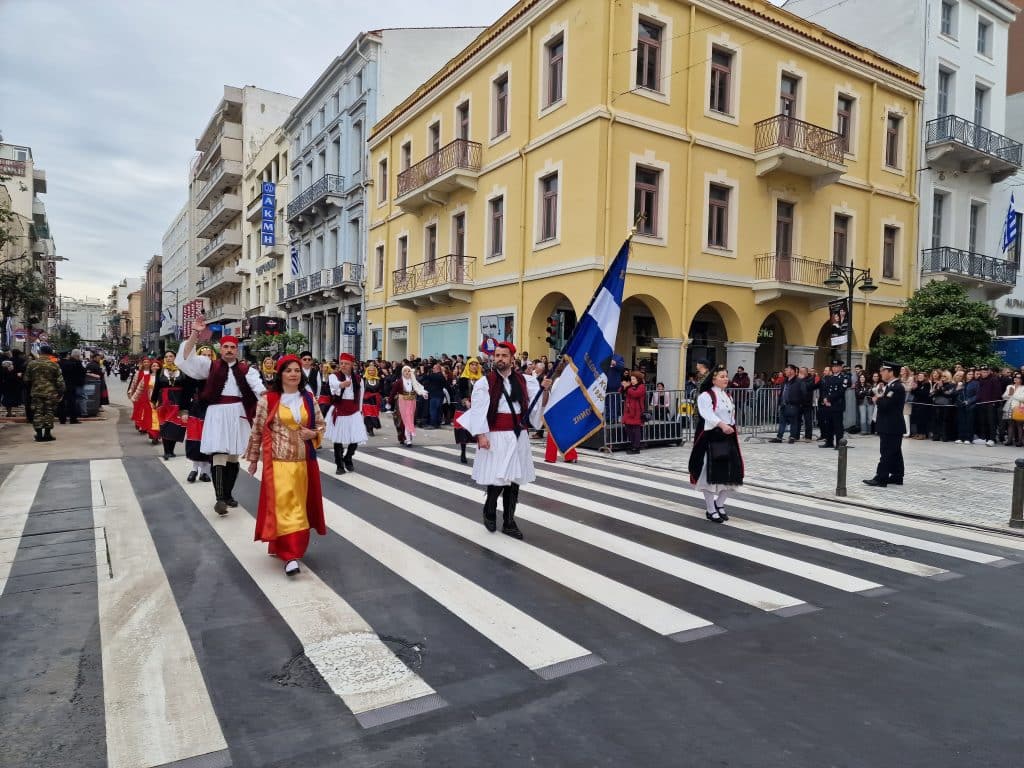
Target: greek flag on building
<point>295,261</point>
<point>575,408</point>
<point>1010,232</point>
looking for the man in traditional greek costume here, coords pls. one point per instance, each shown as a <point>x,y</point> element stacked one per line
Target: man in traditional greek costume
<point>345,426</point>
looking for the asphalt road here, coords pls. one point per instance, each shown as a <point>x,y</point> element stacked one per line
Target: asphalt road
<point>140,630</point>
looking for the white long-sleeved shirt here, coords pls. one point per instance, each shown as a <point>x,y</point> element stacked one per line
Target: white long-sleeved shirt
<point>723,411</point>
<point>198,367</point>
<point>475,419</point>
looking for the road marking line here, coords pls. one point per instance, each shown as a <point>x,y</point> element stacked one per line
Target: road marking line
<point>18,491</point>
<point>354,662</point>
<point>656,615</point>
<point>156,704</point>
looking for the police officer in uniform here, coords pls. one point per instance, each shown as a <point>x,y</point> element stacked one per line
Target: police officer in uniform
<point>46,387</point>
<point>890,427</point>
<point>832,403</point>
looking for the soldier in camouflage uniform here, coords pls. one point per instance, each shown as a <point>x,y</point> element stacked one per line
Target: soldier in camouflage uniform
<point>46,387</point>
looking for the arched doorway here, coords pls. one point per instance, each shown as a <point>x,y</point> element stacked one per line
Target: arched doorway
<point>826,353</point>
<point>708,335</point>
<point>771,351</point>
<point>638,328</point>
<point>873,361</point>
<point>553,318</point>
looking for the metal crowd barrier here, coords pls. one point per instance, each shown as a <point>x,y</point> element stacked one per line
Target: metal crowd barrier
<point>669,417</point>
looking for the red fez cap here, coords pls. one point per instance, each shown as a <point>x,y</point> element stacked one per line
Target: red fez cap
<point>284,361</point>
<point>229,339</point>
<point>509,346</point>
<point>346,357</point>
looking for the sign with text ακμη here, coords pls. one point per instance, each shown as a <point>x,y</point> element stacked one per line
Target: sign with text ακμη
<point>269,206</point>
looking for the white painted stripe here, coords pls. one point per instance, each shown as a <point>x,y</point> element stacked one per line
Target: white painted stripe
<point>943,529</point>
<point>874,533</point>
<point>18,492</point>
<point>806,540</point>
<point>730,586</point>
<point>647,611</point>
<point>156,704</point>
<point>518,634</point>
<point>361,670</point>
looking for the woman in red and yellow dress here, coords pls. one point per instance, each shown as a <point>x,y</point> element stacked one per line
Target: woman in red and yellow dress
<point>135,388</point>
<point>286,432</point>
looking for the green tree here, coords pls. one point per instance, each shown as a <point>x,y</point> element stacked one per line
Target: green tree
<point>22,293</point>
<point>63,336</point>
<point>940,327</point>
<point>278,344</point>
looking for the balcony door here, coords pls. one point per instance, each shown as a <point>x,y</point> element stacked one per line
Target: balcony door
<point>783,241</point>
<point>788,90</point>
<point>459,247</point>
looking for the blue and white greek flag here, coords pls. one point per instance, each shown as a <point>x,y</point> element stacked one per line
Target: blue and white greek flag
<point>295,261</point>
<point>1010,233</point>
<point>575,407</point>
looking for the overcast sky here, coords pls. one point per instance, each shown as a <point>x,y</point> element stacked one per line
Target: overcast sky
<point>112,95</point>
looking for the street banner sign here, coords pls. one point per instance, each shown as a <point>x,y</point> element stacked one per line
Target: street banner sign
<point>269,206</point>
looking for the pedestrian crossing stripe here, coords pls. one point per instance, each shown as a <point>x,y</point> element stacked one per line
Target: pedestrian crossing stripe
<point>1005,541</point>
<point>891,562</point>
<point>654,614</point>
<point>536,646</point>
<point>375,685</point>
<point>18,491</point>
<point>687,570</point>
<point>799,517</point>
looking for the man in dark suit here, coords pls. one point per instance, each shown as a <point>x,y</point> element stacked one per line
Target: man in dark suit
<point>831,403</point>
<point>890,427</point>
<point>74,379</point>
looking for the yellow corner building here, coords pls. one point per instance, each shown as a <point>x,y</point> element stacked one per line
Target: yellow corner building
<point>751,149</point>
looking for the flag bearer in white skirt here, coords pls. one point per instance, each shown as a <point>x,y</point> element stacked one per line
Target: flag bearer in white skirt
<point>503,461</point>
<point>230,391</point>
<point>345,425</point>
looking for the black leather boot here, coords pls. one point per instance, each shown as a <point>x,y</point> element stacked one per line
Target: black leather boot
<point>462,457</point>
<point>230,476</point>
<point>339,459</point>
<point>509,500</point>
<point>491,508</point>
<point>348,457</point>
<point>218,472</point>
<point>39,435</point>
<point>47,436</point>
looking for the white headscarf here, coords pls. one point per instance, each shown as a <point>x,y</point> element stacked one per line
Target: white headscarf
<point>410,384</point>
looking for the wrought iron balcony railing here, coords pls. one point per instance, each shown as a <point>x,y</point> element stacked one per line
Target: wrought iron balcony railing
<point>961,131</point>
<point>331,184</point>
<point>446,270</point>
<point>461,153</point>
<point>321,280</point>
<point>789,268</point>
<point>946,260</point>
<point>783,131</point>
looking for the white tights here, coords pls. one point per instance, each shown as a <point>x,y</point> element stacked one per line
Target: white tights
<point>712,501</point>
<point>202,467</point>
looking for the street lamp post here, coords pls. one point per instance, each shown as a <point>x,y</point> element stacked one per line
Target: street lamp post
<point>852,277</point>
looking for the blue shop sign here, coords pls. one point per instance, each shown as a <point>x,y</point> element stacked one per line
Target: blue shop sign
<point>267,232</point>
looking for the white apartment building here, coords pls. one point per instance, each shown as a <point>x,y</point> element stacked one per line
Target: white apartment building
<point>324,294</point>
<point>242,121</point>
<point>120,328</point>
<point>179,272</point>
<point>960,48</point>
<point>87,317</point>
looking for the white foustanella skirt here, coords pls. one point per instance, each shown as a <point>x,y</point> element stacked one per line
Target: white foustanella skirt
<point>225,430</point>
<point>508,460</point>
<point>347,429</point>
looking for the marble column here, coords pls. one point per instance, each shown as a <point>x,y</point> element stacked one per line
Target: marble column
<point>739,353</point>
<point>859,357</point>
<point>800,356</point>
<point>331,335</point>
<point>671,356</point>
<point>307,330</point>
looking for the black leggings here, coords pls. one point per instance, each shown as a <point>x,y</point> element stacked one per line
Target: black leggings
<point>169,447</point>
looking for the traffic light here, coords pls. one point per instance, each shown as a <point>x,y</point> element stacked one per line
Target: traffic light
<point>552,337</point>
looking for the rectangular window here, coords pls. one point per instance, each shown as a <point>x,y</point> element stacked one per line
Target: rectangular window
<point>1013,253</point>
<point>889,252</point>
<point>434,138</point>
<point>944,90</point>
<point>645,200</point>
<point>840,240</point>
<point>721,80</point>
<point>463,120</point>
<point>984,37</point>
<point>648,55</point>
<point>844,121</point>
<point>977,209</point>
<point>321,118</point>
<point>406,155</point>
<point>378,281</point>
<point>946,20</point>
<point>402,260</point>
<point>497,217</point>
<point>501,105</point>
<point>430,247</point>
<point>718,216</point>
<point>335,105</point>
<point>382,180</point>
<point>788,109</point>
<point>784,215</point>
<point>980,99</point>
<point>938,212</point>
<point>892,141</point>
<point>459,234</point>
<point>549,207</point>
<point>555,69</point>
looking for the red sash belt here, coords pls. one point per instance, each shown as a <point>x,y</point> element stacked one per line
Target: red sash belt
<point>345,407</point>
<point>227,400</point>
<point>504,422</point>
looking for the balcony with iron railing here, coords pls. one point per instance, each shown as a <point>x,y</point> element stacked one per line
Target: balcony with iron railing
<point>323,285</point>
<point>994,277</point>
<point>223,176</point>
<point>957,144</point>
<point>786,145</point>
<point>227,242</point>
<point>225,279</point>
<point>327,190</point>
<point>220,213</point>
<point>444,280</point>
<point>781,274</point>
<point>455,166</point>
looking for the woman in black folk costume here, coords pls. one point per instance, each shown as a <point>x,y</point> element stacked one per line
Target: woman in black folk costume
<point>716,464</point>
<point>471,373</point>
<point>168,401</point>
<point>373,386</point>
<point>194,426</point>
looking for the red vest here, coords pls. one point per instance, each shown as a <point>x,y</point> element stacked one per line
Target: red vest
<point>496,389</point>
<point>218,377</point>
